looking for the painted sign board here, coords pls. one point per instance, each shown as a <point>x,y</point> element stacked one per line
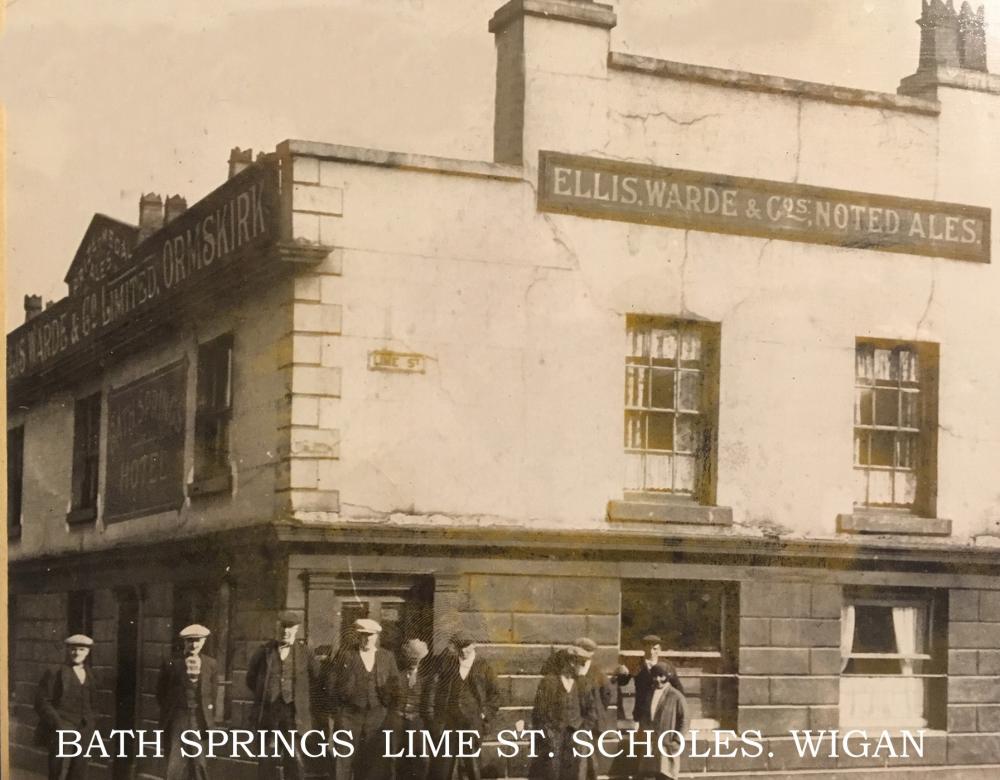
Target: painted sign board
<point>387,360</point>
<point>146,422</point>
<point>239,217</point>
<point>609,189</point>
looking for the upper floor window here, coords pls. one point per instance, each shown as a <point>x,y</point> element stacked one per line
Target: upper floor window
<point>895,423</point>
<point>894,658</point>
<point>86,457</point>
<point>671,390</point>
<point>214,409</point>
<point>15,480</point>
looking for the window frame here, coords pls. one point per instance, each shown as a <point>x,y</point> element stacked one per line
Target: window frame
<point>934,654</point>
<point>15,481</point>
<point>80,612</point>
<point>704,448</point>
<point>213,415</point>
<point>88,416</point>
<point>924,465</point>
<point>725,654</point>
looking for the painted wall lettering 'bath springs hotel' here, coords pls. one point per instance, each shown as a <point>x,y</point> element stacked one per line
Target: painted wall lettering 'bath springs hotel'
<point>700,352</point>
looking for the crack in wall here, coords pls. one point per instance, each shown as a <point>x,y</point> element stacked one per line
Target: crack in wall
<point>798,142</point>
<point>643,118</point>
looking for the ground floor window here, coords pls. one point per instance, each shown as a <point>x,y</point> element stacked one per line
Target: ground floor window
<point>894,658</point>
<point>698,622</point>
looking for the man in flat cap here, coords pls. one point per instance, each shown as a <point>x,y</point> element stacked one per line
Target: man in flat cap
<point>410,708</point>
<point>467,697</point>
<point>281,675</point>
<point>361,682</point>
<point>644,684</point>
<point>185,692</point>
<point>563,704</point>
<point>597,687</point>
<point>64,701</point>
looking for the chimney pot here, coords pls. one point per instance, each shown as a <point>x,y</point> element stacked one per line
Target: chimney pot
<point>175,206</point>
<point>239,159</point>
<point>32,306</point>
<point>150,214</point>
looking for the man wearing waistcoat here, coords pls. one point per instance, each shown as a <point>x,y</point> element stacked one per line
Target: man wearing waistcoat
<point>281,675</point>
<point>410,709</point>
<point>185,691</point>
<point>564,703</point>
<point>467,698</point>
<point>361,684</point>
<point>64,701</point>
<point>644,685</point>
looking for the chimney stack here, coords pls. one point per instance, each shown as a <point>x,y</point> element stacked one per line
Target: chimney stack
<point>175,206</point>
<point>938,36</point>
<point>32,307</point>
<point>150,214</point>
<point>972,38</point>
<point>239,159</point>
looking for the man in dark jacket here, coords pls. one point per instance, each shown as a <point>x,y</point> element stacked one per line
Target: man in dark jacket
<point>361,683</point>
<point>64,701</point>
<point>185,691</point>
<point>597,688</point>
<point>411,705</point>
<point>564,703</point>
<point>644,685</point>
<point>281,675</point>
<point>467,698</point>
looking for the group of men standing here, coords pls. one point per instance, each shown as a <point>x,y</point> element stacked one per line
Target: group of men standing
<point>362,690</point>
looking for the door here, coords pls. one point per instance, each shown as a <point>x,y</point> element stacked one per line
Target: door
<point>126,688</point>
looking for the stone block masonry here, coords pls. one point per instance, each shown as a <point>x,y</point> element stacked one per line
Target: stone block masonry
<point>973,669</point>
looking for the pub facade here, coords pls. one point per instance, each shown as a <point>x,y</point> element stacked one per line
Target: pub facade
<point>700,352</point>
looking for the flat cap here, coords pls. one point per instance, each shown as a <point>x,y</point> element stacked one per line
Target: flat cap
<point>461,639</point>
<point>414,649</point>
<point>367,626</point>
<point>586,643</point>
<point>289,618</point>
<point>194,631</point>
<point>651,639</point>
<point>78,640</point>
<point>579,652</point>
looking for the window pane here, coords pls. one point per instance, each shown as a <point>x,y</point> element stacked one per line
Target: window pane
<point>906,450</point>
<point>660,431</point>
<point>634,471</point>
<point>910,409</point>
<point>636,342</point>
<point>873,631</point>
<point>635,385</point>
<point>880,487</point>
<point>658,468</point>
<point>907,366</point>
<point>885,368</point>
<point>863,401</point>
<point>684,474</point>
<point>634,438</point>
<point>664,343</point>
<point>662,390</point>
<point>861,440</point>
<point>906,487</point>
<point>690,394</point>
<point>883,448</point>
<point>864,363</point>
<point>860,487</point>
<point>687,427</point>
<point>691,346</point>
<point>887,407</point>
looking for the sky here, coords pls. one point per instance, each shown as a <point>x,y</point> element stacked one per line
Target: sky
<point>108,99</point>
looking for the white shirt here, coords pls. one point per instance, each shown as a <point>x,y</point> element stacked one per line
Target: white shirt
<point>283,651</point>
<point>465,664</point>
<point>368,659</point>
<point>655,701</point>
<point>567,683</point>
<point>81,673</point>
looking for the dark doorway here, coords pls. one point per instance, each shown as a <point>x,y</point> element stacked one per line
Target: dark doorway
<point>128,668</point>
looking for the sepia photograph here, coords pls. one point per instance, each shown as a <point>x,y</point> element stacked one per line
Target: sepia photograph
<point>524,389</point>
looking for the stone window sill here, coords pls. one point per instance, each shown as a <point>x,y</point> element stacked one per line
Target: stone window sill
<point>892,523</point>
<point>211,484</point>
<point>651,510</point>
<point>86,514</point>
